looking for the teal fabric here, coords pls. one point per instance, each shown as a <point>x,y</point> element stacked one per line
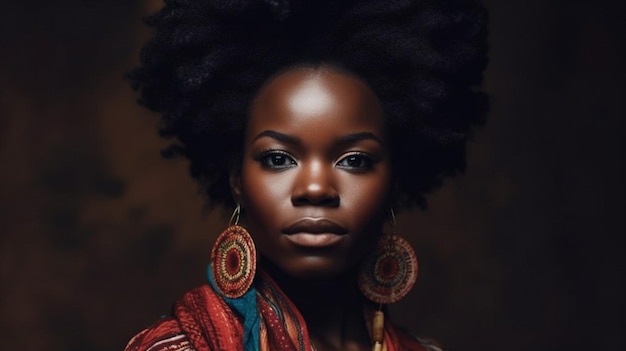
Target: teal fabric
<point>246,307</point>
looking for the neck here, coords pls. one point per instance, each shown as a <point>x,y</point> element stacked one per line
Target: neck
<point>331,307</point>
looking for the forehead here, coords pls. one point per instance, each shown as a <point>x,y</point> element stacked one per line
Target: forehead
<point>316,98</point>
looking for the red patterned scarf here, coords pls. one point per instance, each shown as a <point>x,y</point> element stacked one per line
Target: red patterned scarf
<point>202,321</point>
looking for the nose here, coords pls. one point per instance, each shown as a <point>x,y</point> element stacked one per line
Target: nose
<point>315,186</point>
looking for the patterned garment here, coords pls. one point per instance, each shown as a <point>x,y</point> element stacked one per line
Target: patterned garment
<point>203,321</point>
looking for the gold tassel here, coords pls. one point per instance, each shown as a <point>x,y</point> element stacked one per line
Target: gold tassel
<point>378,331</point>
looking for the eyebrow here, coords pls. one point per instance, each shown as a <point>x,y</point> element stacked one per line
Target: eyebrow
<point>278,136</point>
<point>345,139</point>
<point>356,137</point>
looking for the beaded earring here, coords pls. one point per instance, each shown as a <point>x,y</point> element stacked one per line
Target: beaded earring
<point>233,259</point>
<point>387,275</point>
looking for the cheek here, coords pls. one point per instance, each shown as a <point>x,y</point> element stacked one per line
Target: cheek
<point>263,194</point>
<point>368,197</point>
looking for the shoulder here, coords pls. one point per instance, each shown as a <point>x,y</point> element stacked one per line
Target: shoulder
<point>165,335</point>
<point>192,321</point>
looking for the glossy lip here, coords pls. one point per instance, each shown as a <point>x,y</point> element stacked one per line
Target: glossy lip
<point>315,232</point>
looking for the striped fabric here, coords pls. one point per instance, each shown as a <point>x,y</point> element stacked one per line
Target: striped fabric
<point>202,321</point>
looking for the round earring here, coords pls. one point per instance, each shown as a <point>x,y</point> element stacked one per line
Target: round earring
<point>233,259</point>
<point>390,271</point>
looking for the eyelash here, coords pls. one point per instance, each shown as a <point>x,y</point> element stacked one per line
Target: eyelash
<point>265,158</point>
<point>281,160</point>
<point>366,162</point>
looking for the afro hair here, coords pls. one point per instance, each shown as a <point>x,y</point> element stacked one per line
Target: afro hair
<point>424,59</point>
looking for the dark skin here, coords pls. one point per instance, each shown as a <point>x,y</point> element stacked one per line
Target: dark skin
<point>315,186</point>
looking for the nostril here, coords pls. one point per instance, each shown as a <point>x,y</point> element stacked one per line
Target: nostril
<point>299,201</point>
<point>316,196</point>
<point>328,201</point>
<point>331,202</point>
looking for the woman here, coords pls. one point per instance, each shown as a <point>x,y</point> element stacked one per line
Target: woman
<point>314,120</point>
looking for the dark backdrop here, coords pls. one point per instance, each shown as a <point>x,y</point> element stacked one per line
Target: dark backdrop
<point>99,235</point>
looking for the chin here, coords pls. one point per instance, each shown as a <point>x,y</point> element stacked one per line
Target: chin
<point>316,268</point>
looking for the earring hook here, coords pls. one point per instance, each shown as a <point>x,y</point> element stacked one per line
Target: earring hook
<point>394,224</point>
<point>235,216</point>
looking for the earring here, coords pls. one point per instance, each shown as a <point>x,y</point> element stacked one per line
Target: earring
<point>233,259</point>
<point>386,275</point>
<point>389,272</point>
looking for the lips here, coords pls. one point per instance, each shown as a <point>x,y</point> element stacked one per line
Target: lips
<point>315,226</point>
<point>315,233</point>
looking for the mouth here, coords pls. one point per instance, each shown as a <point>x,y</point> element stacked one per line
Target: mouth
<point>315,232</point>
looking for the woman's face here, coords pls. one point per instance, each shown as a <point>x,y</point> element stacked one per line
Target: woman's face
<point>316,175</point>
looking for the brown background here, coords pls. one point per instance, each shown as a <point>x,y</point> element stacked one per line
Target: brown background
<point>100,236</point>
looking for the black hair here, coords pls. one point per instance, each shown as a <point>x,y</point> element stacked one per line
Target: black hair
<point>424,60</point>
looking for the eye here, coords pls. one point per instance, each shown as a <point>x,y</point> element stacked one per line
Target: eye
<point>275,159</point>
<point>356,161</point>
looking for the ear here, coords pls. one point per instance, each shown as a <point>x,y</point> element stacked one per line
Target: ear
<point>235,186</point>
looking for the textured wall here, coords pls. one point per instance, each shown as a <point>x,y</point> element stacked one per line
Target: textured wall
<point>100,235</point>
